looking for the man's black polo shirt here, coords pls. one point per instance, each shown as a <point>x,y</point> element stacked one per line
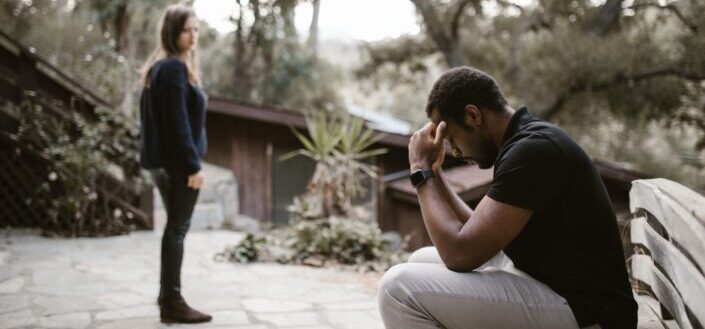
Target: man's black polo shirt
<point>571,242</point>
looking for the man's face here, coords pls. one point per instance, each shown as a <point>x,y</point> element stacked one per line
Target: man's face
<point>469,141</point>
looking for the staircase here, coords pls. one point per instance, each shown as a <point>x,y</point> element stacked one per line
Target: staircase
<point>26,76</point>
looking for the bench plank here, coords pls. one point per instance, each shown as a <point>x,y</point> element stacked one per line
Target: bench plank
<point>678,219</point>
<point>687,279</point>
<point>691,200</point>
<point>644,270</point>
<point>649,317</point>
<point>649,313</point>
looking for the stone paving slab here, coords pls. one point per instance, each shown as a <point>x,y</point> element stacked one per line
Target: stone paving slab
<point>104,283</point>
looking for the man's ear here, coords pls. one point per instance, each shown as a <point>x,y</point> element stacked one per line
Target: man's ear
<point>473,116</point>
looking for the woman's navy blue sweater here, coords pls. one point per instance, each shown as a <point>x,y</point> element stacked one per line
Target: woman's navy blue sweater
<point>172,114</point>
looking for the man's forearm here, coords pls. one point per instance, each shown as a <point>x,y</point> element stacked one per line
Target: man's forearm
<point>460,208</point>
<point>440,219</point>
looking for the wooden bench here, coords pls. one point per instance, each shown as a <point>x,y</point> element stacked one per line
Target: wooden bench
<point>668,235</point>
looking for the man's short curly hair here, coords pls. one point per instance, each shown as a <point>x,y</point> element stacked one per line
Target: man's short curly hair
<point>461,86</point>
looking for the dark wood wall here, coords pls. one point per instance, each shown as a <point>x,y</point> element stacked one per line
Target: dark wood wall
<point>405,217</point>
<point>396,159</point>
<point>245,146</point>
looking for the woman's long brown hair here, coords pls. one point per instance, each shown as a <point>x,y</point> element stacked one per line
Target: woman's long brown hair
<point>172,24</point>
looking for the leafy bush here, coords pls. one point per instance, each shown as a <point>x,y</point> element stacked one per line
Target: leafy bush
<point>248,250</point>
<point>331,241</point>
<point>78,152</point>
<point>341,239</point>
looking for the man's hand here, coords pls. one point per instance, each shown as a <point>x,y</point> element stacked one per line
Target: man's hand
<point>195,181</point>
<point>440,133</point>
<point>426,147</point>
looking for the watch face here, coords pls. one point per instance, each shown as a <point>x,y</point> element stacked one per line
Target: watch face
<point>416,178</point>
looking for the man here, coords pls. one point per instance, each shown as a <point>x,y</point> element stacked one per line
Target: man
<point>541,249</point>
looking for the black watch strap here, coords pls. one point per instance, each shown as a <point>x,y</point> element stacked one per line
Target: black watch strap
<point>419,177</point>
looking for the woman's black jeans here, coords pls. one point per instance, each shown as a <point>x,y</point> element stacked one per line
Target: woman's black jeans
<point>179,201</point>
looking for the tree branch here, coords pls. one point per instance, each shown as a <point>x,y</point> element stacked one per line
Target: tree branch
<point>619,79</point>
<point>457,15</point>
<point>670,7</point>
<point>400,51</point>
<point>446,43</point>
<point>433,24</point>
<point>511,4</point>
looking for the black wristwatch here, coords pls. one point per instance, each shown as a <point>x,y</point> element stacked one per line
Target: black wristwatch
<point>420,176</point>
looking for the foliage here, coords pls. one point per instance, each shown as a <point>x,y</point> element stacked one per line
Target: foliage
<point>86,40</point>
<point>246,251</point>
<point>339,146</point>
<point>322,242</point>
<point>639,62</point>
<point>266,62</point>
<point>341,239</point>
<point>103,43</point>
<point>78,153</point>
<point>97,45</point>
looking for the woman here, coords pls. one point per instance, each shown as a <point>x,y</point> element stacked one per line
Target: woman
<point>173,139</point>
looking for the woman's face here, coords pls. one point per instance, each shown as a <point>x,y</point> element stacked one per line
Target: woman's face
<point>189,35</point>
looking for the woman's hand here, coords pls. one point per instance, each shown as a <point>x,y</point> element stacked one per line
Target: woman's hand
<point>195,181</point>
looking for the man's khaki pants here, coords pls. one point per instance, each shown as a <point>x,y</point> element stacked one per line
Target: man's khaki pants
<point>424,293</point>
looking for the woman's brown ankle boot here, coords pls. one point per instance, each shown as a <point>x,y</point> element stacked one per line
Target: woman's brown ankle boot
<point>175,310</point>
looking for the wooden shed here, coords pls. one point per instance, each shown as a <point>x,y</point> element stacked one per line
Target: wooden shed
<point>249,139</point>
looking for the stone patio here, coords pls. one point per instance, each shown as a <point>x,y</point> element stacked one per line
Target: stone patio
<point>113,282</point>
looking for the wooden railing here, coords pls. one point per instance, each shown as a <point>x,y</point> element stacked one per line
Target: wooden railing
<point>25,75</point>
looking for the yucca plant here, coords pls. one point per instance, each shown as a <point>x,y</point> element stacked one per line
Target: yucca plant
<point>324,137</point>
<point>352,151</point>
<point>339,147</point>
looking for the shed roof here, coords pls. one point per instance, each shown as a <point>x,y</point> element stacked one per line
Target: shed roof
<point>282,117</point>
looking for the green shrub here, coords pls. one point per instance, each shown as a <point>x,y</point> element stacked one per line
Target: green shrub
<point>343,240</point>
<point>77,153</point>
<point>334,241</point>
<point>246,251</point>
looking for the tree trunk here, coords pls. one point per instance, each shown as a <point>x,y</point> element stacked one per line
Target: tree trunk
<point>445,39</point>
<point>287,14</point>
<point>240,76</point>
<point>121,25</point>
<point>606,17</point>
<point>313,29</point>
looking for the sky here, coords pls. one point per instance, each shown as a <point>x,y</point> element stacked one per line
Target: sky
<point>389,19</point>
<point>368,20</point>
